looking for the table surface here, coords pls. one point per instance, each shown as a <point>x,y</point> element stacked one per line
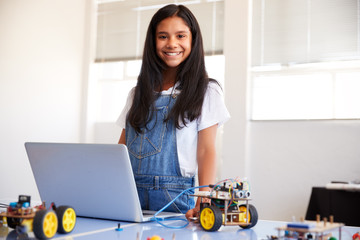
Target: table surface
<point>88,229</point>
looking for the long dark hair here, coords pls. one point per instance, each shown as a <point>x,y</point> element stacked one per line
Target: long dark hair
<point>191,74</point>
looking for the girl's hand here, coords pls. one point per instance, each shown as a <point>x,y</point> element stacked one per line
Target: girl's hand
<point>193,214</point>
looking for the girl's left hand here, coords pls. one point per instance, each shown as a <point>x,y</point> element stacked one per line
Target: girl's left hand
<point>193,214</point>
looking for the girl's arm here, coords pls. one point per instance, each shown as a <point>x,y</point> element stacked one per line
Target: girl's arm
<point>206,157</point>
<point>122,139</point>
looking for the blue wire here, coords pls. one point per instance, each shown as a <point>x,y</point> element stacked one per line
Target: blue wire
<point>167,205</point>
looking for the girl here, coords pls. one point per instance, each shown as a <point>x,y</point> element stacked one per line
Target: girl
<point>171,116</point>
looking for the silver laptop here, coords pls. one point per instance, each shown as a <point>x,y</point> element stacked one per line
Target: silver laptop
<point>95,179</point>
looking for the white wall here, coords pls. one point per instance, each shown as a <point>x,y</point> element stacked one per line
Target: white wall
<point>41,77</point>
<point>282,159</point>
<point>288,158</point>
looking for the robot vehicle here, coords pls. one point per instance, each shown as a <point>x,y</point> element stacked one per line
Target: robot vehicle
<point>43,222</point>
<point>227,204</point>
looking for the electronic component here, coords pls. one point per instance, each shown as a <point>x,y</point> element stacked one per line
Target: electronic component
<point>227,205</point>
<point>43,222</point>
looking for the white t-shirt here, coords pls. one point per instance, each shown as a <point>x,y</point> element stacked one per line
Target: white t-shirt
<point>213,112</point>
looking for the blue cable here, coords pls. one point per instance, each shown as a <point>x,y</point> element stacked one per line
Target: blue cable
<point>167,205</point>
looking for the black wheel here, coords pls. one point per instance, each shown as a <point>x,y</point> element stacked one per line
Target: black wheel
<point>211,218</point>
<point>45,224</point>
<point>253,216</point>
<point>14,235</point>
<point>66,219</point>
<point>13,222</point>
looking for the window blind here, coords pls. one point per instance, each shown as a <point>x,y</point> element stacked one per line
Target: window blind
<point>287,32</point>
<point>122,26</point>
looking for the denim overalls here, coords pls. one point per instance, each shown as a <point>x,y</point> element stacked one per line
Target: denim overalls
<point>155,164</point>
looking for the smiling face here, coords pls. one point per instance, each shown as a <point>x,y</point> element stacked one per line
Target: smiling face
<point>173,41</point>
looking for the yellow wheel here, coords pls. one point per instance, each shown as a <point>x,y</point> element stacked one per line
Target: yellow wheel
<point>67,219</point>
<point>156,237</point>
<point>4,231</point>
<point>45,224</point>
<point>252,216</point>
<point>211,218</point>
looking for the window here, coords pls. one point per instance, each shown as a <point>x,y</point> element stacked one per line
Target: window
<point>305,59</point>
<point>114,81</point>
